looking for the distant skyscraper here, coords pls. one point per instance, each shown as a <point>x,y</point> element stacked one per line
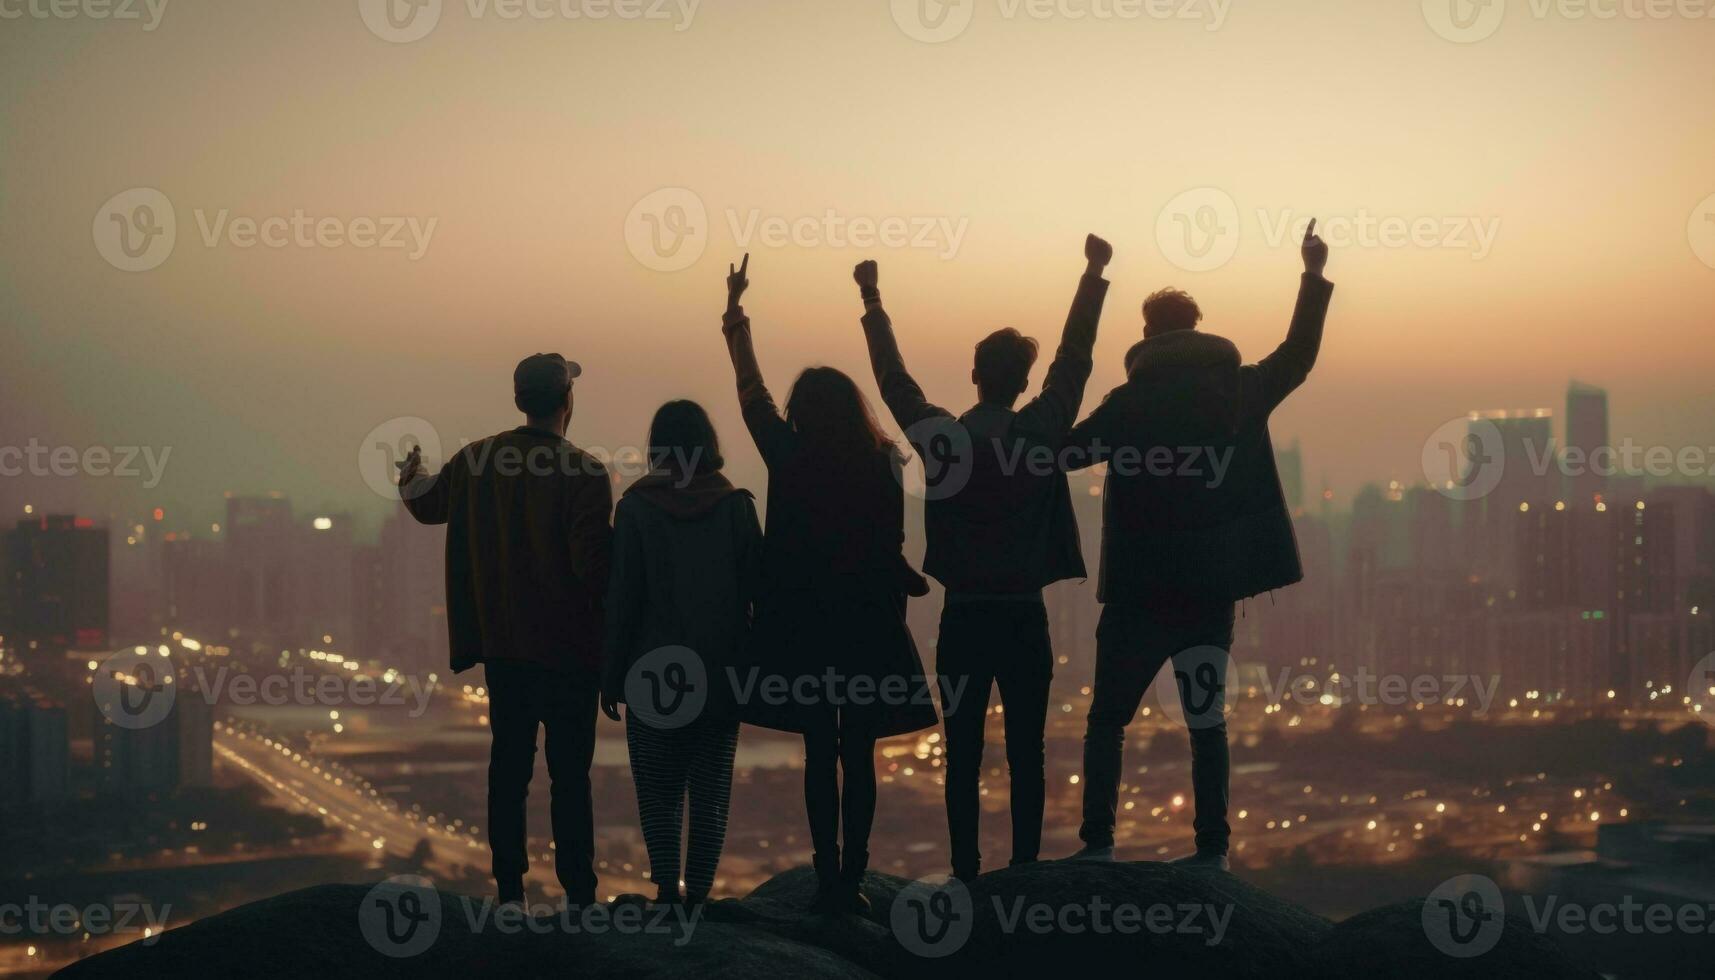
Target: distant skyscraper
<point>58,580</point>
<point>34,746</point>
<point>259,552</point>
<point>1586,433</point>
<point>326,593</point>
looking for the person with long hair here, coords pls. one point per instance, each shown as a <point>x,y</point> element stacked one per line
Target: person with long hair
<point>830,626</point>
<point>687,563</point>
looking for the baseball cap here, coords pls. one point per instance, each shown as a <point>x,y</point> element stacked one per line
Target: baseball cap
<point>545,372</point>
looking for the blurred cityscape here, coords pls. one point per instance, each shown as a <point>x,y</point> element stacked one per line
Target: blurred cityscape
<point>1494,674</point>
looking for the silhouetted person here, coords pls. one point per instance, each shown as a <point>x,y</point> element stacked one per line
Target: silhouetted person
<point>1001,528</point>
<point>687,562</point>
<point>833,603</point>
<point>527,567</point>
<point>1194,520</point>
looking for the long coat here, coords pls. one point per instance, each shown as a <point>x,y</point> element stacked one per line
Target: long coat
<point>830,626</point>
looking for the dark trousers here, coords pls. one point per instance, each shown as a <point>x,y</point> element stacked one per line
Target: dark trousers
<point>1132,644</point>
<point>521,698</point>
<point>987,644</point>
<point>835,742</point>
<point>693,763</point>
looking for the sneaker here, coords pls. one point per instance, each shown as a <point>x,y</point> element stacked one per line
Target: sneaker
<point>1204,859</point>
<point>1093,853</point>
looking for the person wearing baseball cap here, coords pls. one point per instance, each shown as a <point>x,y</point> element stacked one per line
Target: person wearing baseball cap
<point>529,541</point>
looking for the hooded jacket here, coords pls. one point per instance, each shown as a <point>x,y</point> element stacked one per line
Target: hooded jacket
<point>1193,510</point>
<point>687,566</point>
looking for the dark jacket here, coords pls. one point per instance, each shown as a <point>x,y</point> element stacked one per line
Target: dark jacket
<point>528,541</point>
<point>1000,518</point>
<point>834,570</point>
<point>1192,506</point>
<point>687,564</point>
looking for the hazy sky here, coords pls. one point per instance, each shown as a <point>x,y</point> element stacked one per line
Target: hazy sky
<point>1551,175</point>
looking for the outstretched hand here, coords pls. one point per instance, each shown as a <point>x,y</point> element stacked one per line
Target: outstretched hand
<point>1099,252</point>
<point>737,281</point>
<point>411,467</point>
<point>868,275</point>
<point>1315,251</point>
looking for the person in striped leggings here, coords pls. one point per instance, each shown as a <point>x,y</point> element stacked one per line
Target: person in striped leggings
<point>686,569</point>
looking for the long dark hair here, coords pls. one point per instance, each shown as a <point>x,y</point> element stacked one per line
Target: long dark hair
<point>682,434</point>
<point>828,410</point>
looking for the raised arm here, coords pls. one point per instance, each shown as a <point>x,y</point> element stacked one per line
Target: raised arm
<point>767,427</point>
<point>1280,373</point>
<point>1051,413</point>
<point>899,391</point>
<point>427,498</point>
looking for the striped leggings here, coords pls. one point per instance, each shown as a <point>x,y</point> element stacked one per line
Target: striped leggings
<point>668,767</point>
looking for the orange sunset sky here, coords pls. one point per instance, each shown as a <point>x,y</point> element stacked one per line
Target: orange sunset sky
<point>1562,164</point>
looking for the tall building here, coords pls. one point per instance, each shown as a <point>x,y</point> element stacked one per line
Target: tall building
<point>326,590</point>
<point>413,583</point>
<point>57,571</point>
<point>176,752</point>
<point>259,553</point>
<point>34,746</point>
<point>1587,447</point>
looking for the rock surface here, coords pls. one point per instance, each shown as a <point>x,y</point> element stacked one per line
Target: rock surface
<point>1034,920</point>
